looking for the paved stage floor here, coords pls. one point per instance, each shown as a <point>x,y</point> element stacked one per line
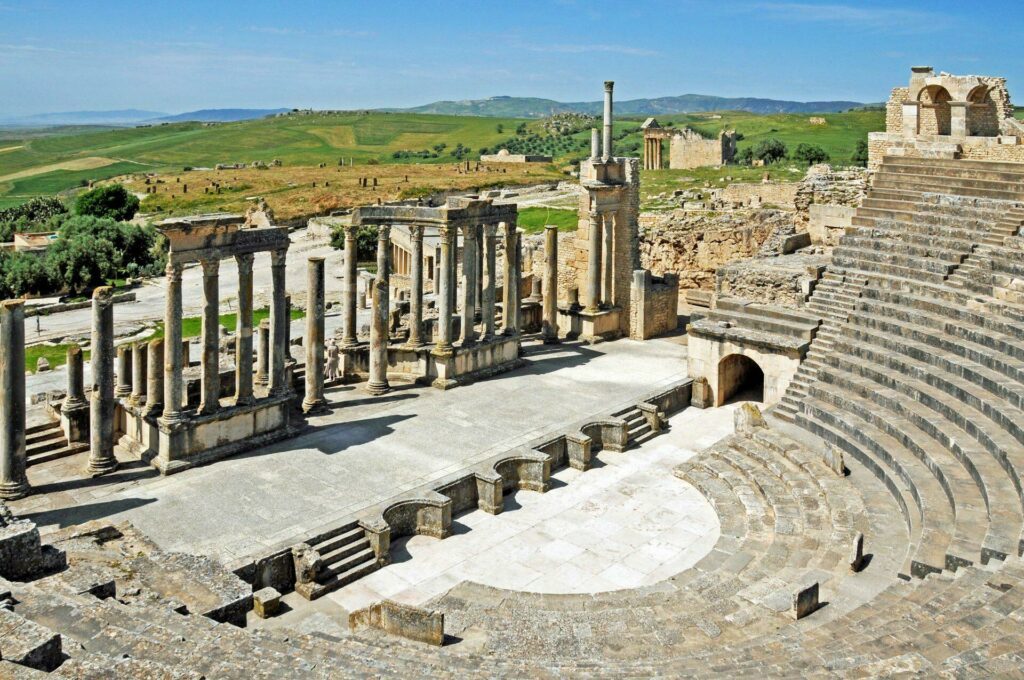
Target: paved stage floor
<point>366,451</point>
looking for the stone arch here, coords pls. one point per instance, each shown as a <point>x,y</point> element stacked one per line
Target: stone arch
<point>739,374</point>
<point>982,116</point>
<point>934,117</point>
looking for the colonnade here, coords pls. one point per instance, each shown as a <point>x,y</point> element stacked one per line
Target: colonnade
<point>600,262</point>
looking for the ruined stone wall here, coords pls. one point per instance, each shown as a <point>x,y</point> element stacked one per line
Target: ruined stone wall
<point>771,280</point>
<point>894,109</point>
<point>654,305</point>
<point>688,149</point>
<point>825,200</point>
<point>568,275</point>
<point>694,245</point>
<point>776,194</point>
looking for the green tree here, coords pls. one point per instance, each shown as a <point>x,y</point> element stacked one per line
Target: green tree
<point>810,154</point>
<point>860,154</point>
<point>36,214</point>
<point>499,128</point>
<point>90,251</point>
<point>366,242</point>
<point>113,201</point>
<point>24,274</point>
<point>770,150</point>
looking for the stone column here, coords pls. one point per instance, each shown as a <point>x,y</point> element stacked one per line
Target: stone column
<point>349,287</point>
<point>453,285</point>
<point>13,459</point>
<point>314,341</point>
<point>595,144</point>
<point>288,358</point>
<point>378,382</point>
<point>549,328</point>
<point>608,85</point>
<point>608,254</point>
<point>444,280</point>
<point>416,287</point>
<point>593,302</point>
<point>124,372</point>
<point>101,406</point>
<point>478,277</point>
<point>508,234</point>
<point>155,378</point>
<point>469,246</point>
<point>263,354</point>
<point>139,356</point>
<point>489,278</point>
<point>210,363</point>
<point>278,324</point>
<point>243,332</point>
<point>173,383</point>
<point>517,282</point>
<point>74,411</point>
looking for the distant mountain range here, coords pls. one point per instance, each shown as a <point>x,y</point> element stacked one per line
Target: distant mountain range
<point>137,116</point>
<point>532,107</point>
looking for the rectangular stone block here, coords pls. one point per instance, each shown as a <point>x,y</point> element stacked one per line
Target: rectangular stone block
<point>413,623</point>
<point>28,644</point>
<point>805,601</point>
<point>266,602</point>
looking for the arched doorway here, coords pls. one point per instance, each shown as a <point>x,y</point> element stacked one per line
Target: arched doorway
<point>982,120</point>
<point>739,379</point>
<point>934,117</point>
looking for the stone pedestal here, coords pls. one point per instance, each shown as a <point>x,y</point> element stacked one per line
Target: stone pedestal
<point>13,480</point>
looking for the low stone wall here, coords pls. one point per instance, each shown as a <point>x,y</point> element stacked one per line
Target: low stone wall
<point>757,194</point>
<point>68,306</point>
<point>414,623</point>
<point>824,188</point>
<point>826,223</point>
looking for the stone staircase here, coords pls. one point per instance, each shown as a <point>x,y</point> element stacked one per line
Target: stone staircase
<point>345,556</point>
<point>46,441</point>
<point>638,429</point>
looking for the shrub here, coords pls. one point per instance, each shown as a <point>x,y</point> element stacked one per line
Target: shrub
<point>810,154</point>
<point>89,251</point>
<point>112,201</point>
<point>770,150</point>
<point>24,274</point>
<point>366,242</point>
<point>860,154</point>
<point>373,161</point>
<point>36,214</point>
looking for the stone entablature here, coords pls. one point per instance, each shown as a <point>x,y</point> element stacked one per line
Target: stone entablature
<point>949,116</point>
<point>158,420</point>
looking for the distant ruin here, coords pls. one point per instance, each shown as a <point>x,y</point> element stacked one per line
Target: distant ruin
<point>687,147</point>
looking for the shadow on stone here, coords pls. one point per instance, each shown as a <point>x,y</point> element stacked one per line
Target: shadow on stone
<point>79,514</point>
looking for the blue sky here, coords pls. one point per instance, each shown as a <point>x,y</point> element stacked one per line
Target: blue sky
<point>179,55</point>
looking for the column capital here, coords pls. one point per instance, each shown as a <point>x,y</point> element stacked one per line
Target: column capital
<point>469,230</point>
<point>416,232</point>
<point>351,230</point>
<point>278,257</point>
<point>173,272</point>
<point>211,266</point>
<point>383,232</point>
<point>490,229</point>
<point>448,233</point>
<point>245,261</point>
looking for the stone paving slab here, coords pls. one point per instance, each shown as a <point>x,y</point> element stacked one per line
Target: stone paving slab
<point>365,451</point>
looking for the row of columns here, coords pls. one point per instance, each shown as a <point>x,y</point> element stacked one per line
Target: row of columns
<point>652,153</point>
<point>600,261</point>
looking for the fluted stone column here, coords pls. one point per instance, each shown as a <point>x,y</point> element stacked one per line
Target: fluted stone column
<point>349,287</point>
<point>123,390</point>
<point>13,460</point>
<point>608,255</point>
<point>139,356</point>
<point>278,324</point>
<point>469,247</point>
<point>549,328</point>
<point>314,400</point>
<point>594,264</point>
<point>173,354</point>
<point>416,288</point>
<point>490,277</point>
<point>210,366</point>
<point>243,332</point>
<point>263,353</point>
<point>155,378</point>
<point>74,411</point>
<point>101,404</point>
<point>378,382</point>
<point>444,279</point>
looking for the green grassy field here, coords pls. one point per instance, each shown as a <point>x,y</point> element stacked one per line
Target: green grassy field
<point>533,220</point>
<point>191,327</point>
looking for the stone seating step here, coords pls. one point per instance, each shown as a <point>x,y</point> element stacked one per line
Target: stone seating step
<point>878,241</point>
<point>954,166</point>
<point>896,256</point>
<point>871,267</point>
<point>1005,173</point>
<point>976,189</point>
<point>925,508</point>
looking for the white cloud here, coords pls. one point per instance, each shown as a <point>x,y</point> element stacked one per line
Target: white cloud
<point>898,20</point>
<point>564,48</point>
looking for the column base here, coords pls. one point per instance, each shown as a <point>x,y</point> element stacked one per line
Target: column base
<point>554,340</point>
<point>12,491</point>
<point>315,407</point>
<point>123,393</point>
<point>173,418</point>
<point>245,401</point>
<point>97,468</point>
<point>378,388</point>
<point>154,411</point>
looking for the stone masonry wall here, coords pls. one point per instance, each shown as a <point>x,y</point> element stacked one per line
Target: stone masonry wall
<point>533,261</point>
<point>654,306</point>
<point>694,245</point>
<point>689,149</point>
<point>776,194</point>
<point>894,109</point>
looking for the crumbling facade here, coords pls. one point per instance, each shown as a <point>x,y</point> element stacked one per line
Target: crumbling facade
<point>687,148</point>
<point>945,116</point>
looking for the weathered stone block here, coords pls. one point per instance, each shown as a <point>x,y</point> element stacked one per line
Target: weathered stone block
<point>406,621</point>
<point>27,643</point>
<point>578,450</point>
<point>748,420</point>
<point>805,601</point>
<point>266,602</point>
<point>857,553</point>
<point>832,456</point>
<point>700,396</point>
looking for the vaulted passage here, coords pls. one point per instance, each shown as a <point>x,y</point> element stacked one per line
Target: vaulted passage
<point>739,377</point>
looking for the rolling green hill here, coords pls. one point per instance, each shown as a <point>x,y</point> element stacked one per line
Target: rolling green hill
<point>33,163</point>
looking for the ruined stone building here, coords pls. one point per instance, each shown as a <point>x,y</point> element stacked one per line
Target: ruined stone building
<point>687,147</point>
